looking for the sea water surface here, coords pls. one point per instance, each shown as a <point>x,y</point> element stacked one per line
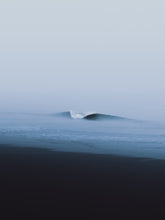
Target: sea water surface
<point>117,137</point>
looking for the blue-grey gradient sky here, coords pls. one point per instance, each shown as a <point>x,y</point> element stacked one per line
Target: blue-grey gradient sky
<point>87,55</point>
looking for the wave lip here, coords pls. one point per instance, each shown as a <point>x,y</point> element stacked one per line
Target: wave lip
<point>88,116</point>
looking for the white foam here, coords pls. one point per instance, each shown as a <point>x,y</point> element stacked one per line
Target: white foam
<point>76,115</point>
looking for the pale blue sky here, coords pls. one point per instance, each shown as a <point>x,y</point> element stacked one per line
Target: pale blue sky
<point>83,54</point>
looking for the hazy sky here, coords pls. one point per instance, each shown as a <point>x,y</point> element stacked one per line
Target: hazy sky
<point>87,55</point>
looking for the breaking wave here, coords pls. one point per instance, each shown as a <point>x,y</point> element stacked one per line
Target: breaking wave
<point>88,116</point>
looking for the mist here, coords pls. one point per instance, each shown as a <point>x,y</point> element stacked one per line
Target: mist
<point>90,55</point>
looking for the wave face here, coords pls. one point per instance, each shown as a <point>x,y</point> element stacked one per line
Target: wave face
<point>88,116</point>
<point>98,116</point>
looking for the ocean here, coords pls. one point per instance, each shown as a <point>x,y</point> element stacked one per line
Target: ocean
<point>89,133</point>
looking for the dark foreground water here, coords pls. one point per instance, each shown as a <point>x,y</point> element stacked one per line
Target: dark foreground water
<point>78,180</point>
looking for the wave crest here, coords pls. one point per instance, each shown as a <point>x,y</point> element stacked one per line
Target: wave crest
<point>88,116</point>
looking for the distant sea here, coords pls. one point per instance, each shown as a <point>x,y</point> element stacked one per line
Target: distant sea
<point>96,134</point>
